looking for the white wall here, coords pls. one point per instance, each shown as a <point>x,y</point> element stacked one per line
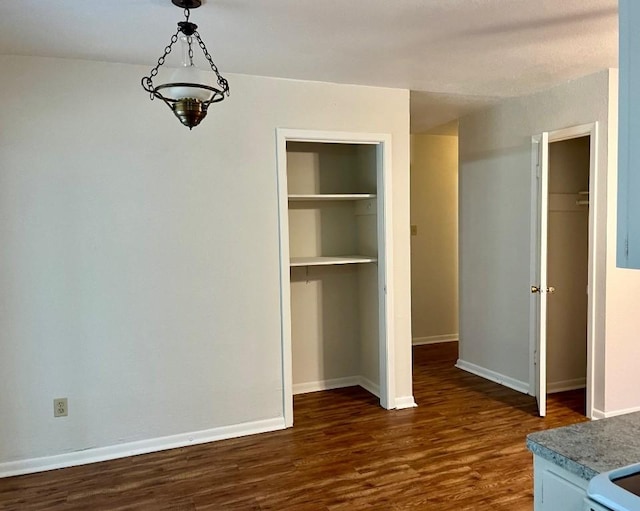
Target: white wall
<point>325,326</point>
<point>623,285</point>
<point>434,250</point>
<point>495,212</point>
<point>139,271</point>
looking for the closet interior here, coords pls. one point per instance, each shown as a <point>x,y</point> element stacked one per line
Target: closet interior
<point>568,263</point>
<point>335,282</point>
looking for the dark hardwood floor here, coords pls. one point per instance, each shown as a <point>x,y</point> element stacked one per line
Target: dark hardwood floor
<point>462,448</point>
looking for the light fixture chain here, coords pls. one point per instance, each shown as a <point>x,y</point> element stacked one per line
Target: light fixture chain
<point>221,80</point>
<point>147,81</point>
<point>190,41</point>
<point>167,50</point>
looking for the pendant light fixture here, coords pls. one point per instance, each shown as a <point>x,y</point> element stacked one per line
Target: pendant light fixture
<point>185,93</point>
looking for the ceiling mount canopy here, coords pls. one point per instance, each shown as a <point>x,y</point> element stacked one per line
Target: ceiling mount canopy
<point>187,4</point>
<point>186,93</point>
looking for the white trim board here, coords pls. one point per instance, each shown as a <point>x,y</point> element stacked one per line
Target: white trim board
<point>493,376</point>
<point>351,381</point>
<point>565,385</point>
<point>434,339</point>
<point>599,414</point>
<point>369,386</point>
<point>337,383</point>
<point>112,452</point>
<point>318,386</point>
<point>405,402</point>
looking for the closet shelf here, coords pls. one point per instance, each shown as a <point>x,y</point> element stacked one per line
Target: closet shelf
<point>331,196</point>
<point>328,261</point>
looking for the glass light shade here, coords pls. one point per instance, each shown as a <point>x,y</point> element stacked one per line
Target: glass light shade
<point>187,73</point>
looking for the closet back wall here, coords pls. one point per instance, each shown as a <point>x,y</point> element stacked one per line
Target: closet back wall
<point>139,271</point>
<point>568,264</point>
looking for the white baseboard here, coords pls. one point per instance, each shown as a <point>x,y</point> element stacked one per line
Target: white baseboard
<point>434,339</point>
<point>84,457</point>
<point>351,381</point>
<point>369,386</point>
<point>337,383</point>
<point>315,386</point>
<point>565,385</point>
<point>507,381</point>
<point>405,402</point>
<point>599,414</point>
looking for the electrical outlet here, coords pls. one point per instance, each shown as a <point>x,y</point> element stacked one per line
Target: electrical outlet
<point>60,407</point>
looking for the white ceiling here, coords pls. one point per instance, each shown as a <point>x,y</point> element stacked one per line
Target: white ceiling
<point>460,52</point>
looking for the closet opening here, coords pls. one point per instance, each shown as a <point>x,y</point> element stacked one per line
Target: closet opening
<point>568,270</point>
<point>334,223</point>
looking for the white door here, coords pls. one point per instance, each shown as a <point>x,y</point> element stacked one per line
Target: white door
<point>539,287</point>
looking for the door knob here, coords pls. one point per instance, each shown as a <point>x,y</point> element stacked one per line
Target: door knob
<point>536,289</point>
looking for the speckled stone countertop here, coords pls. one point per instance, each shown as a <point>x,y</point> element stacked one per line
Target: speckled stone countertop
<point>589,448</point>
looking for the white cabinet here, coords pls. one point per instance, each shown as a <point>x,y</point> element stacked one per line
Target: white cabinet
<point>557,489</point>
<point>333,236</point>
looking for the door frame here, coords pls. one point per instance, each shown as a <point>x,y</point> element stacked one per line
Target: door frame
<point>591,130</point>
<point>385,257</point>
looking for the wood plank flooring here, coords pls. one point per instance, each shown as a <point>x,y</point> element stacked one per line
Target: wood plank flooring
<point>463,448</point>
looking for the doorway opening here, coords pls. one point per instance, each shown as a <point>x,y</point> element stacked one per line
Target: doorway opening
<point>563,269</point>
<point>434,238</point>
<point>335,259</point>
<point>568,265</point>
